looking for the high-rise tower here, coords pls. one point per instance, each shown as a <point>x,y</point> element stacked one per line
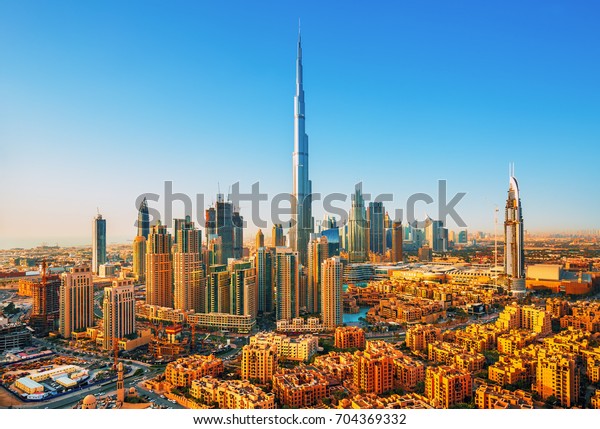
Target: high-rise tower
<point>98,243</point>
<point>514,257</point>
<point>143,222</point>
<point>264,262</point>
<point>302,221</point>
<point>188,274</point>
<point>376,220</point>
<point>224,227</point>
<point>118,310</point>
<point>318,251</point>
<point>277,237</point>
<point>358,229</point>
<point>159,267</point>
<point>76,300</point>
<point>287,284</point>
<point>331,292</point>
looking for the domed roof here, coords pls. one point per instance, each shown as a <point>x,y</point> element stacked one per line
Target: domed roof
<point>132,390</point>
<point>89,400</point>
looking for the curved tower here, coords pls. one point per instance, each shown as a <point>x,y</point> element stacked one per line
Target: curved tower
<point>514,257</point>
<point>302,221</point>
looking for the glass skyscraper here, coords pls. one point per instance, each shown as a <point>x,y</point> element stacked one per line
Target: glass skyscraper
<point>98,242</point>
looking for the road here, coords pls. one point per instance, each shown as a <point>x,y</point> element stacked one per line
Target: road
<point>68,401</point>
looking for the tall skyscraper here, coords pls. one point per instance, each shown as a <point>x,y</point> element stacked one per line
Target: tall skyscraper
<point>45,308</point>
<point>159,267</point>
<point>187,268</point>
<point>331,292</point>
<point>218,298</point>
<point>118,311</point>
<point>277,237</point>
<point>397,242</point>
<point>264,260</point>
<point>376,218</point>
<point>287,284</point>
<point>143,222</point>
<point>224,225</point>
<point>318,251</point>
<point>358,229</point>
<point>210,227</point>
<point>436,235</point>
<point>302,221</point>
<point>238,235</point>
<point>244,291</point>
<point>76,300</point>
<point>98,243</point>
<point>260,240</point>
<point>176,227</point>
<point>514,256</point>
<point>139,257</point>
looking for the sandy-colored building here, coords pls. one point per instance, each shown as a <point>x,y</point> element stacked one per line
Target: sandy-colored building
<point>300,387</point>
<point>418,337</point>
<point>513,370</point>
<point>373,369</point>
<point>231,394</point>
<point>182,372</point>
<point>259,362</point>
<point>455,355</point>
<point>497,398</point>
<point>558,375</point>
<point>299,349</point>
<point>349,337</point>
<point>446,386</point>
<point>528,317</point>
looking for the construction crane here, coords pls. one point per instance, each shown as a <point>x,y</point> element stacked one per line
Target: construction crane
<point>204,339</point>
<point>115,347</point>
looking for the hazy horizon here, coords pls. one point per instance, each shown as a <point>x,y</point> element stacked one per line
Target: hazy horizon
<point>100,107</point>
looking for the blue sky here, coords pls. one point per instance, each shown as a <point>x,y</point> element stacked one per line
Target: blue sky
<point>103,101</point>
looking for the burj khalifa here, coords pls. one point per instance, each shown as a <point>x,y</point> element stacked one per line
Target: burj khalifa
<point>302,220</point>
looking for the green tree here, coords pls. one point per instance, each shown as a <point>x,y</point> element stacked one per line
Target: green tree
<point>10,309</point>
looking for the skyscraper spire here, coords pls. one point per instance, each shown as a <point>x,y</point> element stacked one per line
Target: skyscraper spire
<point>514,256</point>
<point>302,221</point>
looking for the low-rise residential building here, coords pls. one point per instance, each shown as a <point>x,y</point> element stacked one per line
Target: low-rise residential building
<point>239,323</point>
<point>528,317</point>
<point>299,387</point>
<point>513,370</point>
<point>452,354</point>
<point>418,337</point>
<point>410,401</point>
<point>300,325</point>
<point>374,368</point>
<point>300,349</point>
<point>515,340</point>
<point>231,394</point>
<point>495,397</point>
<point>259,362</point>
<point>595,400</point>
<point>182,372</point>
<point>558,375</point>
<point>446,386</point>
<point>337,365</point>
<point>349,337</point>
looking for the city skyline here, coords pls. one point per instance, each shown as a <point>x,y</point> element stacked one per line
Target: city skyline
<point>540,115</point>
